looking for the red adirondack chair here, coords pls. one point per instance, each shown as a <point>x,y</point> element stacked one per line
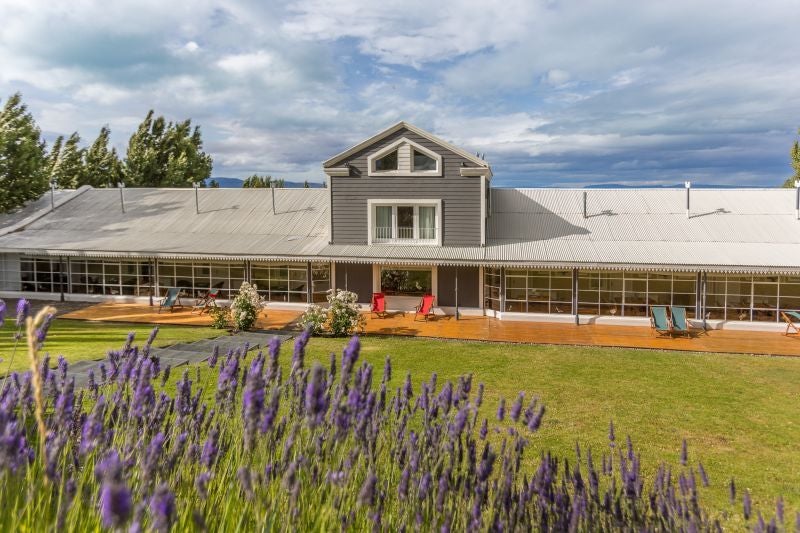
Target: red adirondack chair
<point>425,307</point>
<point>379,304</point>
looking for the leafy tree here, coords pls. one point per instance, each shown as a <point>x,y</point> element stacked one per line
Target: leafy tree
<point>102,166</point>
<point>794,154</point>
<point>23,163</point>
<point>55,153</point>
<point>214,184</point>
<point>256,181</point>
<point>162,154</point>
<point>67,171</point>
<point>306,185</point>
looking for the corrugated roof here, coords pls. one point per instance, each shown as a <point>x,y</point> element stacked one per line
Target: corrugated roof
<point>726,228</point>
<point>733,230</point>
<point>236,222</point>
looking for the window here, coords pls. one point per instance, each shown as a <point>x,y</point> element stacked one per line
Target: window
<point>320,281</point>
<point>538,291</point>
<point>406,282</point>
<point>491,288</point>
<point>387,162</point>
<point>423,161</point>
<point>281,282</point>
<point>414,222</point>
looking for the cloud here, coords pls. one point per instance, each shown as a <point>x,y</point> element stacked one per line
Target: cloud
<point>552,92</point>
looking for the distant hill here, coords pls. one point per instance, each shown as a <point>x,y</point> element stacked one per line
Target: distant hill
<point>236,183</point>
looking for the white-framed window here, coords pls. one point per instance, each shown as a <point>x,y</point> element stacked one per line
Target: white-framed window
<point>404,157</point>
<point>405,221</point>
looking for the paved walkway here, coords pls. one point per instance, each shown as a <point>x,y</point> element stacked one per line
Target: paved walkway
<point>483,329</point>
<point>186,353</point>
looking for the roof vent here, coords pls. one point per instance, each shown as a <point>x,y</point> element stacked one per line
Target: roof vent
<point>688,185</point>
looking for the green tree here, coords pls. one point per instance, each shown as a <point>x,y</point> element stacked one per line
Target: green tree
<point>55,153</point>
<point>214,184</point>
<point>256,181</point>
<point>68,170</point>
<point>23,161</point>
<point>102,166</point>
<point>306,185</point>
<point>794,155</point>
<point>162,154</point>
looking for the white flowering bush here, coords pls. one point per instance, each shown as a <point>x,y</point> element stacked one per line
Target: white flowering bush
<point>343,313</point>
<point>314,319</point>
<point>245,307</point>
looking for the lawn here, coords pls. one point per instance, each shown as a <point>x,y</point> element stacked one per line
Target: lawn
<point>740,414</point>
<point>78,340</point>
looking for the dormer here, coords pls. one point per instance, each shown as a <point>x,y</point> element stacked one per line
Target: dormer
<point>404,157</point>
<point>405,186</point>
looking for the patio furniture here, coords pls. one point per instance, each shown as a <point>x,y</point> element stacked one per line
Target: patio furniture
<point>207,302</point>
<point>790,317</point>
<point>679,322</point>
<point>379,304</point>
<point>172,299</point>
<point>425,307</point>
<point>659,321</point>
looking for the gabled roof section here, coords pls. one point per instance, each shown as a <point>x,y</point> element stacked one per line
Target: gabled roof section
<point>410,127</point>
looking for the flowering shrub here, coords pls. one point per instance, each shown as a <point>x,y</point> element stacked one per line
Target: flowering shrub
<point>314,319</point>
<point>245,307</point>
<point>220,317</point>
<point>344,316</point>
<point>323,448</point>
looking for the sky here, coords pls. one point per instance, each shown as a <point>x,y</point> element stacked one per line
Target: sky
<point>553,93</point>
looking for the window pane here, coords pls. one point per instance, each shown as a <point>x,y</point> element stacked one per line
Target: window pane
<point>383,222</point>
<point>427,218</point>
<point>406,282</point>
<point>405,222</point>
<point>423,162</point>
<point>387,162</point>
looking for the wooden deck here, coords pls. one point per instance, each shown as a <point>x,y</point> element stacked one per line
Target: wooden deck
<point>483,329</point>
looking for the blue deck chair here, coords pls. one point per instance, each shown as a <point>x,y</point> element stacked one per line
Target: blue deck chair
<point>659,320</point>
<point>171,299</point>
<point>679,322</point>
<point>790,317</point>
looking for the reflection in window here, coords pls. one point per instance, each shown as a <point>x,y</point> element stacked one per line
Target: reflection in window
<point>406,282</point>
<point>423,162</point>
<point>387,162</point>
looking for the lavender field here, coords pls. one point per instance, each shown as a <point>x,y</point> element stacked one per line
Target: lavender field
<point>269,441</point>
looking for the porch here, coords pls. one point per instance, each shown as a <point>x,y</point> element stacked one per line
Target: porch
<point>480,328</point>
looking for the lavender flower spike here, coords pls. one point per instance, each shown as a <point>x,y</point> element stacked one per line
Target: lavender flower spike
<point>162,508</point>
<point>23,311</point>
<point>116,504</point>
<point>3,310</point>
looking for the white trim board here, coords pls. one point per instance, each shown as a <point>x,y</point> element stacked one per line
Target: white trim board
<point>405,159</point>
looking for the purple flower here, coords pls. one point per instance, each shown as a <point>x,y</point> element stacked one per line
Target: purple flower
<point>116,504</point>
<point>408,389</point>
<point>245,480</point>
<point>611,436</point>
<point>317,397</point>
<point>516,407</point>
<point>253,399</point>
<point>703,475</point>
<point>23,311</point>
<point>366,496</point>
<point>501,410</point>
<point>274,351</point>
<point>3,310</point>
<point>152,456</point>
<point>350,356</point>
<point>402,485</point>
<point>41,332</point>
<point>92,430</point>
<point>162,508</point>
<point>747,505</point>
<point>212,361</point>
<point>387,370</point>
<point>459,421</point>
<point>152,336</point>
<point>536,420</point>
<point>298,358</point>
<point>732,491</point>
<point>479,397</point>
<point>109,468</point>
<point>684,453</point>
<point>424,486</point>
<point>201,484</point>
<point>484,429</point>
<point>210,448</point>
<point>779,509</point>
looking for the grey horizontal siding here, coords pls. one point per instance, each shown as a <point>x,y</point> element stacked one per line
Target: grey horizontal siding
<point>461,196</point>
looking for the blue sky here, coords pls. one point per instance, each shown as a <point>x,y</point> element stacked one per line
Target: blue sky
<point>555,93</point>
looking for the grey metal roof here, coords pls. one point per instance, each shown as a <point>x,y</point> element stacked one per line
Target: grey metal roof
<point>164,222</point>
<point>730,230</point>
<point>747,228</point>
<point>32,210</point>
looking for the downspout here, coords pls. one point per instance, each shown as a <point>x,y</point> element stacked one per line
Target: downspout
<point>575,296</point>
<point>705,290</point>
<point>157,288</point>
<point>502,290</point>
<point>456,292</point>
<point>309,289</point>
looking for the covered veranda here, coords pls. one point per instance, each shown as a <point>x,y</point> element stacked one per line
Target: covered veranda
<point>480,328</point>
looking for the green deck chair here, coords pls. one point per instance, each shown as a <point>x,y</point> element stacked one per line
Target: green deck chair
<point>679,322</point>
<point>659,320</point>
<point>171,300</point>
<point>789,317</point>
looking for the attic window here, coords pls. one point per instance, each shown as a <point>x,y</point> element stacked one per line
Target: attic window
<point>423,161</point>
<point>387,162</point>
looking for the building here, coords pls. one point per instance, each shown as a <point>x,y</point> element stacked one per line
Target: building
<point>406,213</point>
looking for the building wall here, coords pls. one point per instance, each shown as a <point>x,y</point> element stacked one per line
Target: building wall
<point>357,278</point>
<point>9,272</point>
<point>461,196</point>
<point>468,286</point>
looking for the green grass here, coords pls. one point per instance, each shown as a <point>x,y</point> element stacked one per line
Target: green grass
<point>740,414</point>
<point>79,340</point>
